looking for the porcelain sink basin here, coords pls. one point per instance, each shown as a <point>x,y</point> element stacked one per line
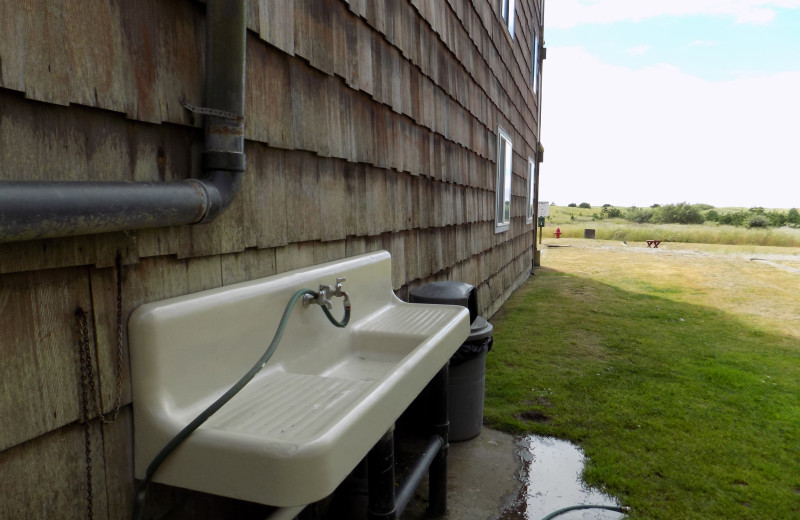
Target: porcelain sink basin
<point>313,412</point>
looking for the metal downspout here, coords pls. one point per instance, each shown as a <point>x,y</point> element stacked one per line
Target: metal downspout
<point>34,209</point>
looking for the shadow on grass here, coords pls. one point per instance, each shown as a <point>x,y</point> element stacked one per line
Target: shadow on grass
<point>683,411</point>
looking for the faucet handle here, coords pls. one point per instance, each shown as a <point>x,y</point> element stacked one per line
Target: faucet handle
<point>323,298</point>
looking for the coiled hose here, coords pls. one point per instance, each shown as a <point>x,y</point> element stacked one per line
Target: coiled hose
<point>140,497</point>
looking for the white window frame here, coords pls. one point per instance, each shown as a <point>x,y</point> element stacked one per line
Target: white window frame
<point>505,159</point>
<point>507,8</point>
<point>530,211</point>
<point>535,63</point>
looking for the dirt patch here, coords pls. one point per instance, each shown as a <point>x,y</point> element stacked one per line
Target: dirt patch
<point>536,416</point>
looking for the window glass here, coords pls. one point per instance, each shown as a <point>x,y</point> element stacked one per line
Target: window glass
<point>531,180</point>
<point>508,14</point>
<point>504,159</point>
<point>535,64</point>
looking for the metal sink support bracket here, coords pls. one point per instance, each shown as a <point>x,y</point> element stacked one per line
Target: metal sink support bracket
<point>326,396</point>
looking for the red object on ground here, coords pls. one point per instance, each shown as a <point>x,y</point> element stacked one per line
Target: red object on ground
<point>558,232</point>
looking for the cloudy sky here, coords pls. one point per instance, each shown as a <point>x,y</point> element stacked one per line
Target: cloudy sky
<point>669,101</point>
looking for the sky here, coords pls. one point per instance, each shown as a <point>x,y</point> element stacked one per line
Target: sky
<point>656,101</point>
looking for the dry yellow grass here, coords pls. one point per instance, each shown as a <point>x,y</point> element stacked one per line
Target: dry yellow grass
<point>759,284</point>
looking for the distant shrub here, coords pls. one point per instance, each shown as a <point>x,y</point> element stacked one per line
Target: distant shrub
<point>681,213</point>
<point>738,218</point>
<point>776,218</point>
<point>712,215</point>
<point>572,205</point>
<point>758,221</point>
<point>613,212</point>
<point>793,216</point>
<point>639,215</point>
<point>585,205</point>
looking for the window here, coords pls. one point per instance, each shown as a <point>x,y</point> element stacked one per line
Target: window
<point>507,9</point>
<point>503,209</point>
<point>535,64</point>
<point>531,180</point>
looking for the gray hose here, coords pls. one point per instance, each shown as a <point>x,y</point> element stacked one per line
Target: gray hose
<point>559,512</point>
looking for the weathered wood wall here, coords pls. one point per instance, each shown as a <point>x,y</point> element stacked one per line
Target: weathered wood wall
<point>370,125</point>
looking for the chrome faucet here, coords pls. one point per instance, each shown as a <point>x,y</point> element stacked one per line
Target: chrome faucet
<point>326,292</point>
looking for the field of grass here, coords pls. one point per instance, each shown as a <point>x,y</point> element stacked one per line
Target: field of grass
<point>573,222</point>
<point>677,370</point>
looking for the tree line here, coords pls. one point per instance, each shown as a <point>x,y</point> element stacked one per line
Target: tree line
<point>685,213</point>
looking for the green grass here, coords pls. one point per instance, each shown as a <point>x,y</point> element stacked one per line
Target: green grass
<point>683,410</point>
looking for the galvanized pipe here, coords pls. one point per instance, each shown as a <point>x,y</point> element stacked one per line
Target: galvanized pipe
<point>31,209</point>
<point>223,156</point>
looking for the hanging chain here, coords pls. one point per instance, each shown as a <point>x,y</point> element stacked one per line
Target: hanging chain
<point>88,386</point>
<point>86,382</point>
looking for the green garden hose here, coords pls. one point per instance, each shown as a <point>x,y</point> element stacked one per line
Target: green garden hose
<point>140,496</point>
<point>618,509</point>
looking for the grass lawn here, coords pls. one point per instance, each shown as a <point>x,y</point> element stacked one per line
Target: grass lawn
<point>677,371</point>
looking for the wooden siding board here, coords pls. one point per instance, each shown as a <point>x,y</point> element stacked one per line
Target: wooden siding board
<point>139,41</point>
<point>313,34</point>
<point>364,120</point>
<point>342,32</point>
<point>329,251</point>
<point>333,199</point>
<point>268,107</point>
<point>302,196</point>
<point>39,377</point>
<point>13,51</point>
<point>265,196</point>
<point>117,464</point>
<point>100,73</point>
<point>47,476</point>
<point>47,64</point>
<point>365,60</point>
<point>247,265</point>
<point>379,209</point>
<point>294,256</point>
<point>277,23</point>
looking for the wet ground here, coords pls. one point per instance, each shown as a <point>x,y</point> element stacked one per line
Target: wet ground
<point>499,477</point>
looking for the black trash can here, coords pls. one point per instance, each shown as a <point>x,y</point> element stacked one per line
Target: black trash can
<point>466,389</point>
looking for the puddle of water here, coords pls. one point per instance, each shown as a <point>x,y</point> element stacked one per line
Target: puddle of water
<point>551,479</point>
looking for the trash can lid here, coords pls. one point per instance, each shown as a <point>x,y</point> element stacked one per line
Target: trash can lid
<point>447,293</point>
<point>480,329</point>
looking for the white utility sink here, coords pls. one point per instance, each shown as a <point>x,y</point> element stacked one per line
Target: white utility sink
<point>322,401</point>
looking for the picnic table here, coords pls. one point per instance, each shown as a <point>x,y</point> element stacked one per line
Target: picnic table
<point>653,243</point>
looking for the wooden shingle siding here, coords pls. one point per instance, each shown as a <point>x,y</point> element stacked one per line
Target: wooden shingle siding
<point>370,124</point>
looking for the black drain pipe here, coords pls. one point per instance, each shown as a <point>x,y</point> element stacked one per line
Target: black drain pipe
<point>34,209</point>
